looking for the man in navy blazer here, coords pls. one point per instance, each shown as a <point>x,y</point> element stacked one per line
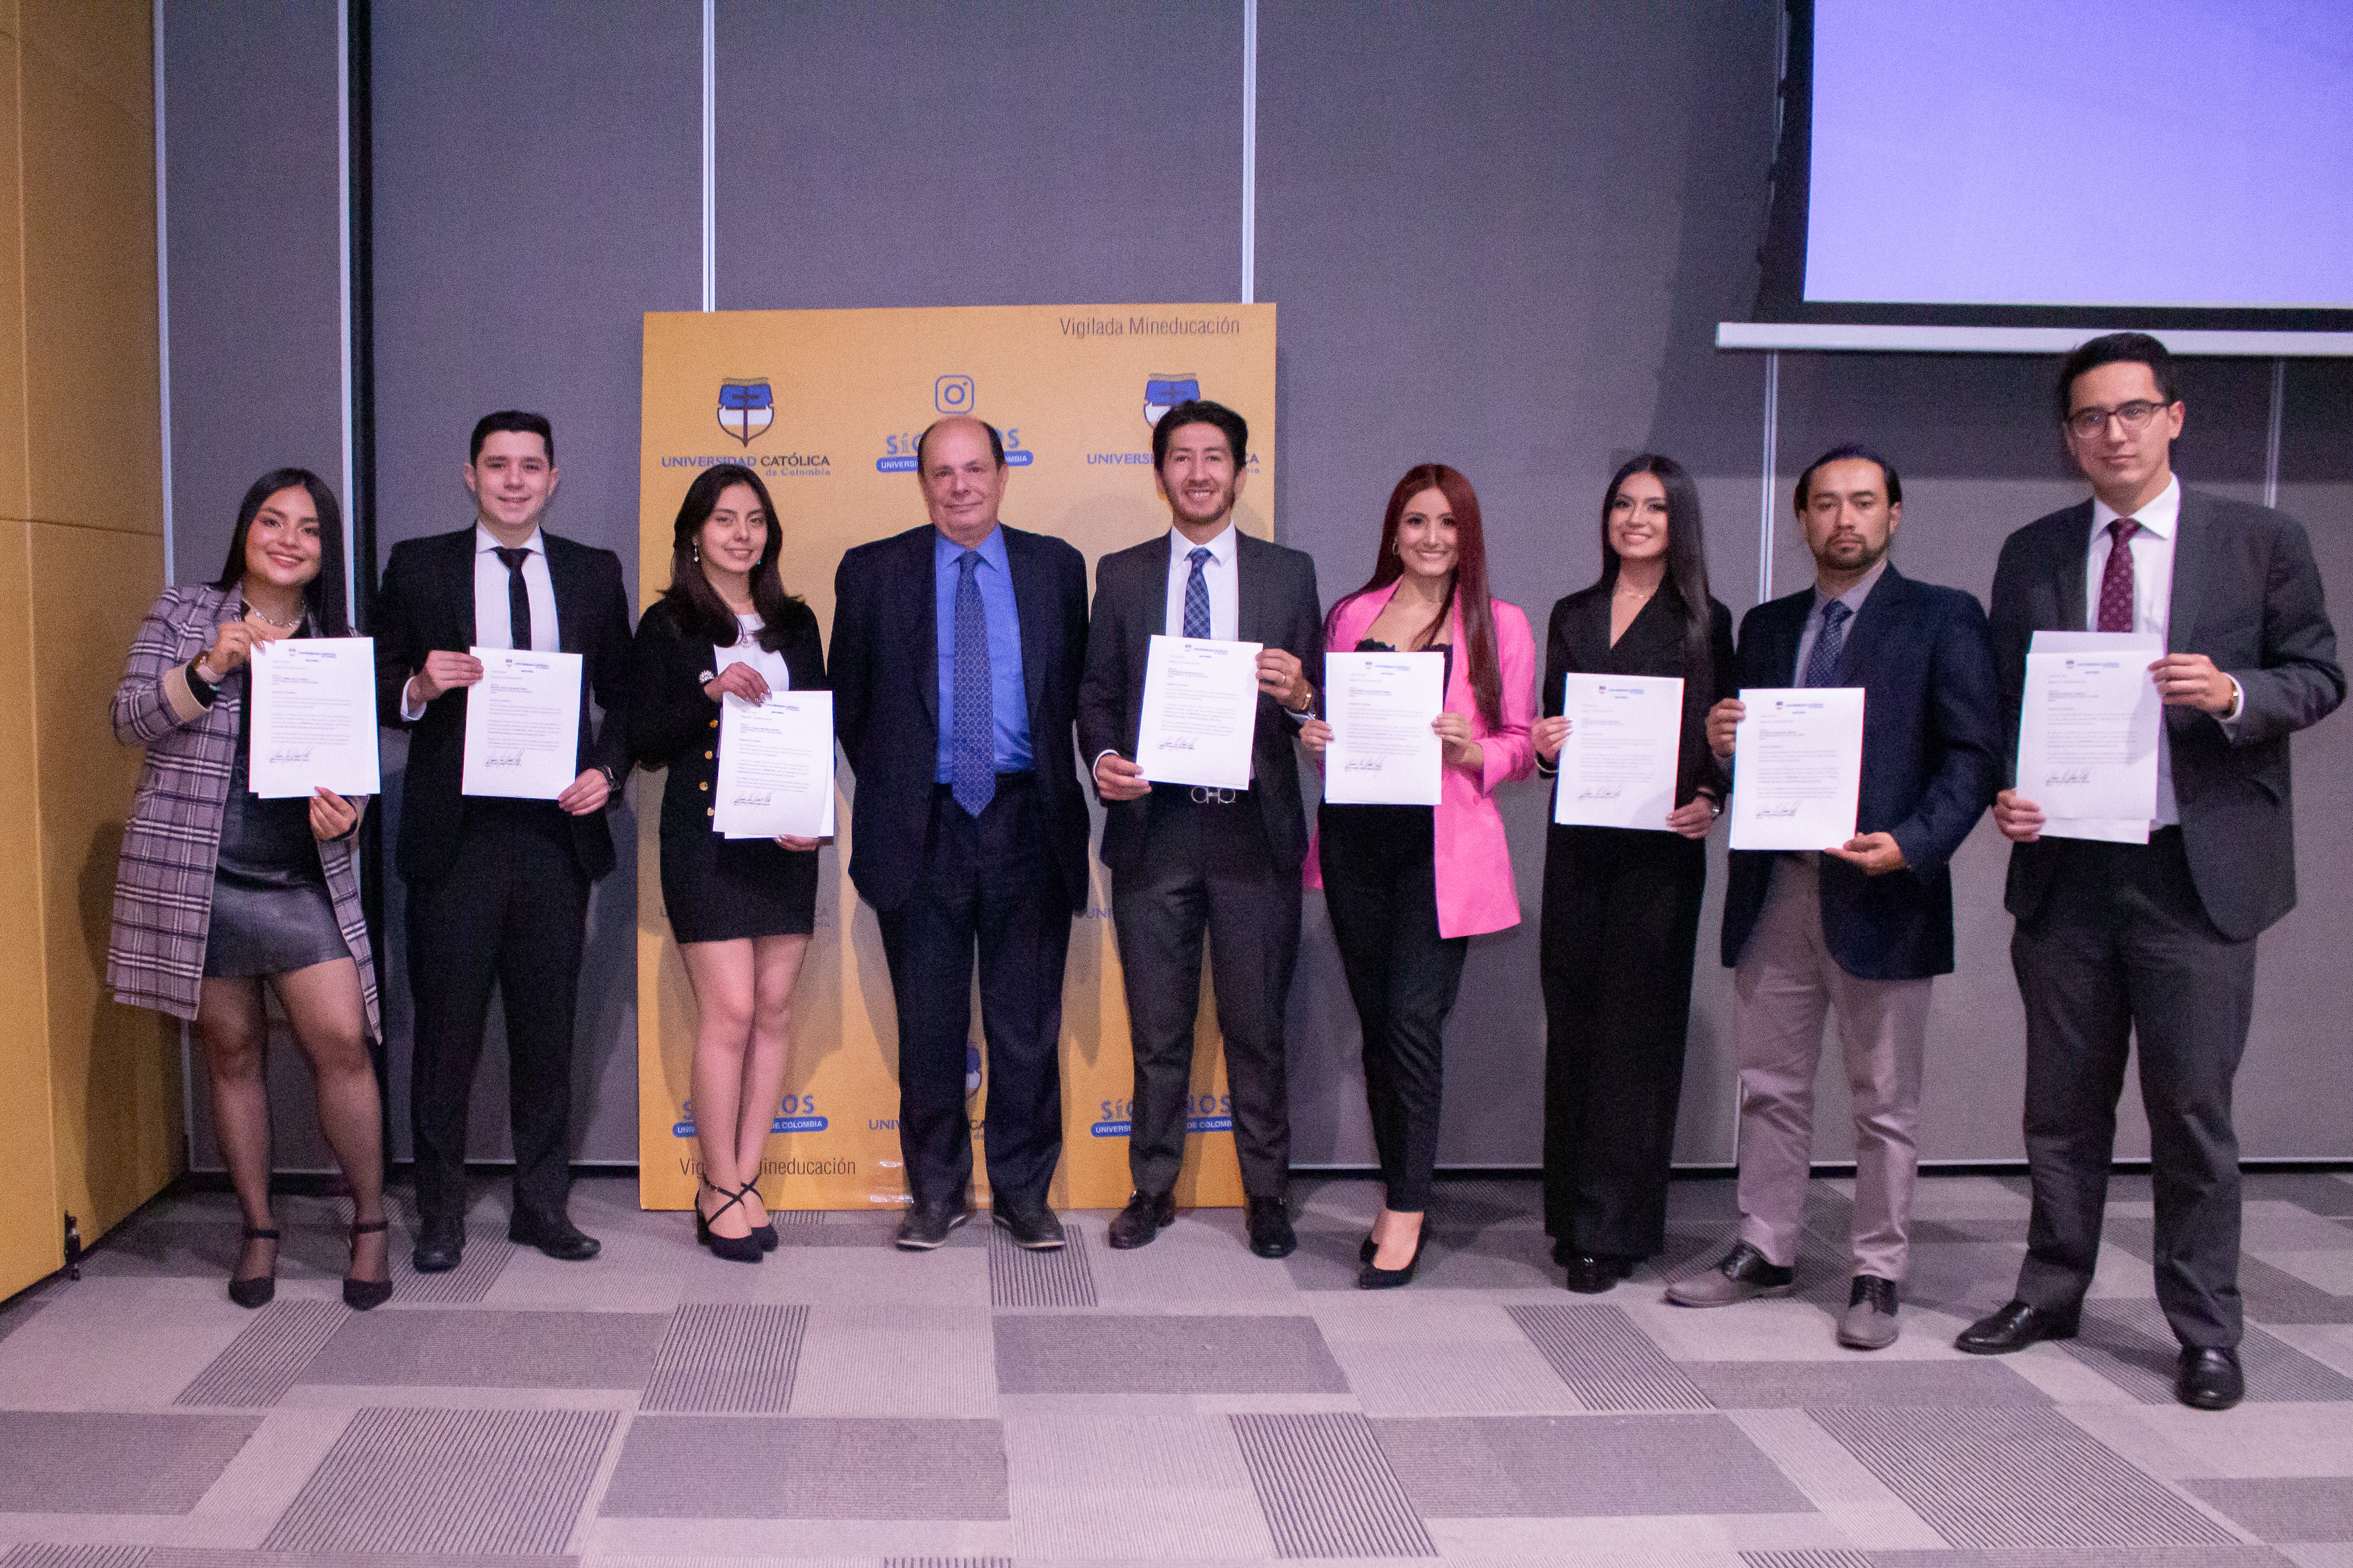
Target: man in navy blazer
<point>2153,942</point>
<point>497,888</point>
<point>1858,929</point>
<point>957,650</point>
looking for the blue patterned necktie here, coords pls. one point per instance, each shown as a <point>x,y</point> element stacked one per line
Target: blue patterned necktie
<point>1197,594</point>
<point>1821,665</point>
<point>972,769</point>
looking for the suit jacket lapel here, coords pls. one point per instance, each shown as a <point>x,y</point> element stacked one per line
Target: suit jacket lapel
<point>1251,597</point>
<point>1788,629</point>
<point>2194,556</point>
<point>1030,597</point>
<point>1881,608</point>
<point>2073,608</point>
<point>560,582</point>
<point>923,610</point>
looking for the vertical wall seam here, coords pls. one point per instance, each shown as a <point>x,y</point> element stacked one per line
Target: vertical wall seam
<point>344,297</point>
<point>710,155</point>
<point>1249,151</point>
<point>2272,439</point>
<point>1772,458</point>
<point>162,298</point>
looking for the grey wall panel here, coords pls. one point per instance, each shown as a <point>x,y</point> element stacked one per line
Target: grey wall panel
<point>978,154</point>
<point>255,275</point>
<point>256,266</point>
<point>537,190</point>
<point>1501,237</point>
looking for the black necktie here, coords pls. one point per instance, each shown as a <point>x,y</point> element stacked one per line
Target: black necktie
<point>518,598</point>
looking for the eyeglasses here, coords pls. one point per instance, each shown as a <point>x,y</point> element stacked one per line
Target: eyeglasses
<point>2134,417</point>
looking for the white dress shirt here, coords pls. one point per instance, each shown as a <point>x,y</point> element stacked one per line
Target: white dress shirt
<point>1216,576</point>
<point>493,620</point>
<point>2152,564</point>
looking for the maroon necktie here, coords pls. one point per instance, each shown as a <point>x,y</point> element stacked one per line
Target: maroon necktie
<point>2116,579</point>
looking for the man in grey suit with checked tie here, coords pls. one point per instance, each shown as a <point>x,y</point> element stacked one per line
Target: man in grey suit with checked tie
<point>2153,942</point>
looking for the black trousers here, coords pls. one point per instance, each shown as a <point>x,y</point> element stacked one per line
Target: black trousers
<point>988,883</point>
<point>512,912</point>
<point>1205,870</point>
<point>1381,886</point>
<point>2123,953</point>
<point>1620,926</point>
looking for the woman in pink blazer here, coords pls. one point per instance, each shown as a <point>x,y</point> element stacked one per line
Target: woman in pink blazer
<point>1409,886</point>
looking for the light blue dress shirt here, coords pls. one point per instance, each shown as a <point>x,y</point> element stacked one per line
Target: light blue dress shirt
<point>1009,699</point>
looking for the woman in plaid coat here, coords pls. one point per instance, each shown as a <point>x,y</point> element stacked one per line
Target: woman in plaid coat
<point>218,889</point>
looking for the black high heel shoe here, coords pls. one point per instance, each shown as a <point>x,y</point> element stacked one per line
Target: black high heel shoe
<point>734,1248</point>
<point>366,1294</point>
<point>1369,1250</point>
<point>1375,1278</point>
<point>257,1291</point>
<point>765,1233</point>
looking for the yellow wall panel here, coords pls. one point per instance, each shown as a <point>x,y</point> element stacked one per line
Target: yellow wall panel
<point>29,1232</point>
<point>91,379</point>
<point>14,501</point>
<point>114,1069</point>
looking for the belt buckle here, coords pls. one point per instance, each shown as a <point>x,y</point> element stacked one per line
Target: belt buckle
<point>1210,794</point>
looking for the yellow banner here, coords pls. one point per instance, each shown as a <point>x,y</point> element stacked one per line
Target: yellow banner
<point>826,406</point>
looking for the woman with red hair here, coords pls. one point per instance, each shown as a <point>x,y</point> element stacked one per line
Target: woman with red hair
<point>1409,886</point>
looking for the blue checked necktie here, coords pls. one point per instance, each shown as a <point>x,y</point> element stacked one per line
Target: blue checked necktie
<point>1197,594</point>
<point>971,772</point>
<point>1821,665</point>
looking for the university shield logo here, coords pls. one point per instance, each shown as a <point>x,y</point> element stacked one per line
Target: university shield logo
<point>746,408</point>
<point>1163,393</point>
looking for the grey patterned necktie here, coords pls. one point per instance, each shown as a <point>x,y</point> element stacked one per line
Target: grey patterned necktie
<point>1821,665</point>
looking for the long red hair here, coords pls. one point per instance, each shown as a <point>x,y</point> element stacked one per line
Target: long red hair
<point>1469,588</point>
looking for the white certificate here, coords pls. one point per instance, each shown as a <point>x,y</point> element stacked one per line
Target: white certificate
<point>314,717</point>
<point>2087,734</point>
<point>1380,706</point>
<point>1797,777</point>
<point>522,724</point>
<point>776,766</point>
<point>1201,712</point>
<point>1618,765</point>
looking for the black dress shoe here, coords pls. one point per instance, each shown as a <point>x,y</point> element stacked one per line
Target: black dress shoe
<point>927,1226</point>
<point>2208,1379</point>
<point>1146,1215</point>
<point>1271,1234</point>
<point>1035,1229</point>
<point>2015,1327</point>
<point>1591,1273</point>
<point>437,1251</point>
<point>557,1236</point>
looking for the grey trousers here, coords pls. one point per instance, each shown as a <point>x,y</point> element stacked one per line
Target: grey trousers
<point>1789,984</point>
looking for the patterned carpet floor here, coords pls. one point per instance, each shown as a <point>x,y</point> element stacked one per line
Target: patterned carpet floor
<point>843,1402</point>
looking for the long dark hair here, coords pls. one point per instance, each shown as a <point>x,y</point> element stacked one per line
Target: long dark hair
<point>323,597</point>
<point>1469,587</point>
<point>690,596</point>
<point>1686,556</point>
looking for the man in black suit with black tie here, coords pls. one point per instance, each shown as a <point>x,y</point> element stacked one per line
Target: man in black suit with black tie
<point>1856,931</point>
<point>2147,938</point>
<point>497,888</point>
<point>957,650</point>
<point>1185,860</point>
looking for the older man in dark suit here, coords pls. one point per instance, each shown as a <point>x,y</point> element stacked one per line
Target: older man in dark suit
<point>1857,931</point>
<point>1187,862</point>
<point>957,650</point>
<point>497,888</point>
<point>2153,941</point>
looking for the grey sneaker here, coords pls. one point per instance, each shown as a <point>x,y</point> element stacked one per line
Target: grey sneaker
<point>1869,1322</point>
<point>1743,1275</point>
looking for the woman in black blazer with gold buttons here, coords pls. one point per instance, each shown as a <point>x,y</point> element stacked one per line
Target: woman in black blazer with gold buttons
<point>741,908</point>
<point>1621,904</point>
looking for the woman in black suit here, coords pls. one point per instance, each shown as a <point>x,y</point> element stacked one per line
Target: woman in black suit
<point>1621,904</point>
<point>742,909</point>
